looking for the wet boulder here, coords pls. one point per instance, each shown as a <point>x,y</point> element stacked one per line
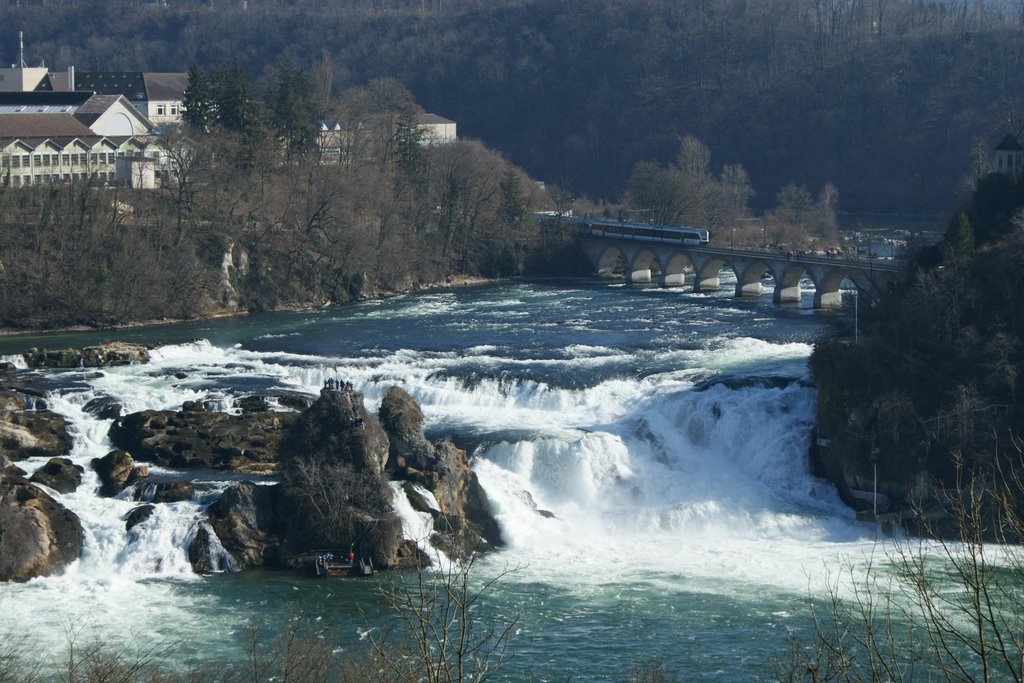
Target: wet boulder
<point>170,491</point>
<point>138,515</point>
<point>245,520</point>
<point>117,470</point>
<point>39,535</point>
<point>60,474</point>
<point>114,353</point>
<point>104,407</point>
<point>26,433</point>
<point>198,438</point>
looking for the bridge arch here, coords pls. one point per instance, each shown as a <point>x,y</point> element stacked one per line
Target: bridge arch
<point>610,262</point>
<point>643,266</point>
<point>748,276</point>
<point>706,273</point>
<point>787,282</point>
<point>676,267</point>
<point>826,289</point>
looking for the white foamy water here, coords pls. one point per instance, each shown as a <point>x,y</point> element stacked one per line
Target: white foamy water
<point>606,464</point>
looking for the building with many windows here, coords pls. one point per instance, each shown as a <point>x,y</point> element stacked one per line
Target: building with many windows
<point>66,137</point>
<point>158,96</point>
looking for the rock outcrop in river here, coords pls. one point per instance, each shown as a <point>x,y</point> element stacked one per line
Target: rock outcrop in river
<point>114,353</point>
<point>28,433</point>
<point>462,521</point>
<point>38,535</point>
<point>336,460</point>
<point>335,493</point>
<point>194,437</point>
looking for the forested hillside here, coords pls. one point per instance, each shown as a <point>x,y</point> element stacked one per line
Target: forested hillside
<point>247,223</point>
<point>887,99</point>
<point>933,381</point>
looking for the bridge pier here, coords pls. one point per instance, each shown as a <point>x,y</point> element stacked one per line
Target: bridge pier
<point>672,280</point>
<point>832,299</point>
<point>638,276</point>
<point>708,283</point>
<point>748,277</point>
<point>786,294</point>
<point>749,288</point>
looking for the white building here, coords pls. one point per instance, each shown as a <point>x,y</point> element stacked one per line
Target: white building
<point>66,137</point>
<point>437,129</point>
<point>1009,156</point>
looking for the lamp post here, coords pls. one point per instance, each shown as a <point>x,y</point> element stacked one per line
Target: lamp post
<point>764,238</point>
<point>856,315</point>
<point>732,237</point>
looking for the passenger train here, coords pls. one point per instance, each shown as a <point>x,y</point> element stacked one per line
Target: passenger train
<point>643,231</point>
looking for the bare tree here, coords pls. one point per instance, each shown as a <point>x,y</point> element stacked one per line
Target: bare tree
<point>442,636</point>
<point>944,605</point>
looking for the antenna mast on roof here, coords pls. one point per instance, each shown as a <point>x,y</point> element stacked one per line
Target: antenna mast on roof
<point>21,51</point>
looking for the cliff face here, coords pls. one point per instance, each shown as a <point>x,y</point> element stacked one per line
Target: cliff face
<point>928,398</point>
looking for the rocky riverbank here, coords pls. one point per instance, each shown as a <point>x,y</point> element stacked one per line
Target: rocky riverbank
<point>339,469</point>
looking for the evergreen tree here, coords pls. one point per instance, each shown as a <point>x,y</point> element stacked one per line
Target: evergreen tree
<point>236,100</point>
<point>959,238</point>
<point>198,106</point>
<point>293,110</point>
<point>513,205</point>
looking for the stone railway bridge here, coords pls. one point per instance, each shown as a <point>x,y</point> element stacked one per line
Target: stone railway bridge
<point>643,261</point>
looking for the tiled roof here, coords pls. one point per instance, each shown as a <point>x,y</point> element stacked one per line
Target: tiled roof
<point>43,126</point>
<point>128,83</point>
<point>429,119</point>
<point>165,86</point>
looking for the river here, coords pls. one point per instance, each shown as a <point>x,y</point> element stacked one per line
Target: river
<point>666,431</point>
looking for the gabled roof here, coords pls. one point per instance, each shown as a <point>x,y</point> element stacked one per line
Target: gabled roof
<point>95,107</point>
<point>428,119</point>
<point>43,126</point>
<point>17,142</point>
<point>165,86</point>
<point>1009,144</point>
<point>127,83</point>
<point>137,86</point>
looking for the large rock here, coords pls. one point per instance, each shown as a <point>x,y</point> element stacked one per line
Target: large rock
<point>205,554</point>
<point>335,494</point>
<point>116,470</point>
<point>138,515</point>
<point>464,522</point>
<point>198,438</point>
<point>170,491</point>
<point>60,474</point>
<point>338,427</point>
<point>38,536</point>
<point>115,353</point>
<point>246,522</point>
<point>27,433</point>
<point>402,419</point>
